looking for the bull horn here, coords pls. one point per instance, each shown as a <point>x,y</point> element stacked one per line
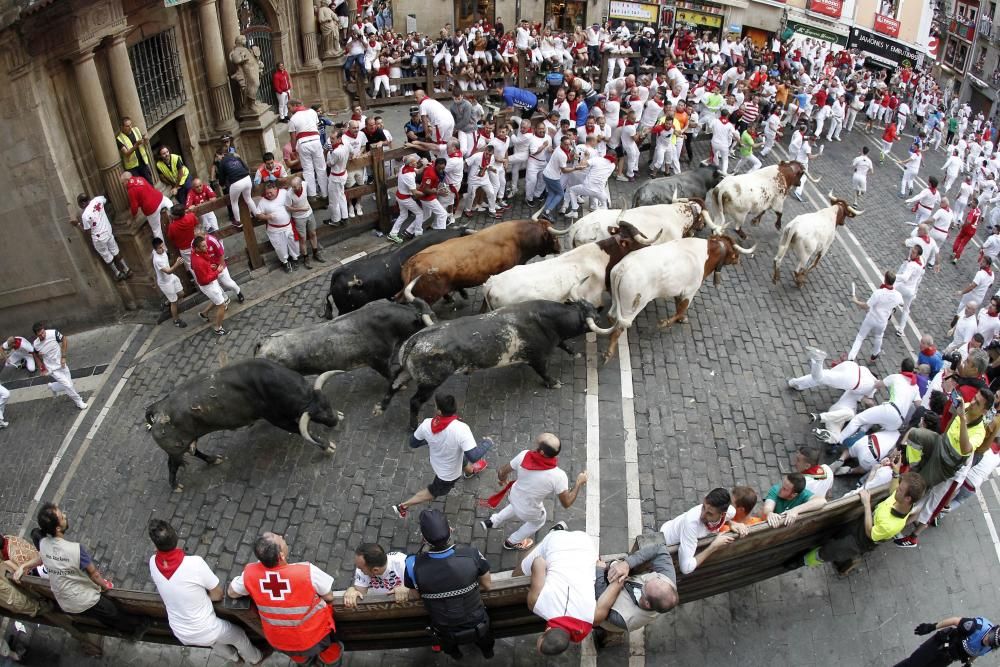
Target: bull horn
<point>408,290</point>
<point>355,282</point>
<point>647,242</point>
<point>745,251</point>
<point>304,429</point>
<point>814,180</point>
<point>854,211</point>
<point>427,319</point>
<point>321,380</point>
<point>560,232</point>
<point>716,229</point>
<point>573,293</point>
<point>598,330</point>
<point>673,197</point>
<point>833,200</point>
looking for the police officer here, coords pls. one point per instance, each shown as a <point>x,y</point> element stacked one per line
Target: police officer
<point>448,579</point>
<point>954,639</point>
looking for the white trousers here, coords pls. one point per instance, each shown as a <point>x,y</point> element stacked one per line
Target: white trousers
<point>768,143</point>
<point>382,81</point>
<point>868,328</point>
<point>906,183</point>
<point>338,200</point>
<point>532,522</point>
<point>498,179</point>
<point>313,165</point>
<point>908,297</point>
<point>434,211</point>
<point>241,188</point>
<point>487,188</point>
<point>852,115</point>
<point>226,281</point>
<point>283,105</point>
<point>598,191</point>
<point>855,381</point>
<point>942,491</point>
<point>4,397</point>
<point>232,644</point>
<point>532,179</point>
<point>63,384</point>
<point>720,157</point>
<point>862,449</point>
<point>751,160</point>
<point>515,171</point>
<point>631,155</point>
<point>949,180</point>
<point>884,415</point>
<point>466,142</point>
<point>283,241</point>
<point>836,124</point>
<point>209,221</point>
<point>17,356</point>
<point>406,207</point>
<point>860,182</point>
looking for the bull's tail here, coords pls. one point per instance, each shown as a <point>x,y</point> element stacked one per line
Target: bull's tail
<point>615,289</point>
<point>328,313</point>
<point>784,243</point>
<point>717,198</point>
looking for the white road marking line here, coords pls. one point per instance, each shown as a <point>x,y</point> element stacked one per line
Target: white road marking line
<point>860,249</point>
<point>29,516</point>
<point>105,410</point>
<point>588,653</point>
<point>636,638</point>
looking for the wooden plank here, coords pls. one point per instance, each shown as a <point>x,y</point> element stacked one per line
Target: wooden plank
<point>250,236</point>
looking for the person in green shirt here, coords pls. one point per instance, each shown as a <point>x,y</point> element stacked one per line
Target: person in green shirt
<point>748,142</point>
<point>785,501</point>
<point>952,128</point>
<point>845,547</point>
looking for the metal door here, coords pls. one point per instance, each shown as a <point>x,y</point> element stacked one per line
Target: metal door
<point>255,27</point>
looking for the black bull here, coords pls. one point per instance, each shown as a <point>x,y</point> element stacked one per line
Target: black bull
<point>379,276</point>
<point>522,333</point>
<point>693,184</point>
<point>236,396</point>
<point>368,336</point>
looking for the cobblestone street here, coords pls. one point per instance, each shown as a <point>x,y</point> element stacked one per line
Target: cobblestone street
<point>711,408</point>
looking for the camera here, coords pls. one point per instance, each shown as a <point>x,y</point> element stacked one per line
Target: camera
<point>953,359</point>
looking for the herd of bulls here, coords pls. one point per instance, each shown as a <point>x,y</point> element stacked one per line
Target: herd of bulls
<point>385,320</point>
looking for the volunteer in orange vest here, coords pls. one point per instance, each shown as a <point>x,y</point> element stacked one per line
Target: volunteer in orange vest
<point>294,601</point>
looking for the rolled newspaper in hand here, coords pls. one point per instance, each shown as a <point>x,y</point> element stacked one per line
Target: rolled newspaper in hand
<point>854,290</point>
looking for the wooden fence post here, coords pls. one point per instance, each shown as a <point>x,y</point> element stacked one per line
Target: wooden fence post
<point>250,236</point>
<point>603,76</point>
<point>381,190</point>
<point>521,65</point>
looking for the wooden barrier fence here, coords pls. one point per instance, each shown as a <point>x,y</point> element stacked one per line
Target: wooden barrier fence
<point>380,623</point>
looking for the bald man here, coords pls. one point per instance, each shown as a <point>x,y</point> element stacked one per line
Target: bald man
<point>537,476</point>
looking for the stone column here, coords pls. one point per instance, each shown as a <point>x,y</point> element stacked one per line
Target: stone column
<point>102,132</point>
<point>123,83</point>
<point>230,25</point>
<point>216,70</point>
<point>310,37</point>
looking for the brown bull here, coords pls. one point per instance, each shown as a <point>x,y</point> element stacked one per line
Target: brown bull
<point>469,261</point>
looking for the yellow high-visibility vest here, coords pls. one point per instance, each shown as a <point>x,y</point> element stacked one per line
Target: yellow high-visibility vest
<point>132,161</point>
<point>170,172</point>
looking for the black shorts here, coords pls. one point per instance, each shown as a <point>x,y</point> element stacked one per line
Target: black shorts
<point>439,487</point>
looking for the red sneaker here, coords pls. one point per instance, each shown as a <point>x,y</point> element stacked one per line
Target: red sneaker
<point>400,510</point>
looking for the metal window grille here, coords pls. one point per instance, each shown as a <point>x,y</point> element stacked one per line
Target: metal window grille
<point>255,27</point>
<point>156,68</point>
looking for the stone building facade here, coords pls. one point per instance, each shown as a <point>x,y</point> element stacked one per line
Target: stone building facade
<point>70,70</point>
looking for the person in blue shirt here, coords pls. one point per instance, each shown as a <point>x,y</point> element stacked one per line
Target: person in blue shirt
<point>518,98</point>
<point>954,640</point>
<point>413,128</point>
<point>930,355</point>
<point>555,80</point>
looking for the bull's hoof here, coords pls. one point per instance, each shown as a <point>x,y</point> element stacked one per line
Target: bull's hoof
<point>774,279</point>
<point>331,448</point>
<point>554,385</point>
<point>742,234</point>
<point>755,222</point>
<point>377,410</point>
<point>214,461</point>
<point>178,488</point>
<point>340,416</point>
<point>665,323</point>
<point>777,225</point>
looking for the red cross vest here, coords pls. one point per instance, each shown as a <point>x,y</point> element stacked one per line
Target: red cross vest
<point>294,617</point>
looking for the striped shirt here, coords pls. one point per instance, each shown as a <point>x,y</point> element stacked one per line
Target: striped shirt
<point>749,112</point>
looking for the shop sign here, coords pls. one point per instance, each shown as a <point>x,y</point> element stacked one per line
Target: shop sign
<point>886,25</point>
<point>735,27</point>
<point>830,8</point>
<point>634,11</point>
<point>816,33</point>
<point>697,18</point>
<point>886,50</point>
<point>174,3</point>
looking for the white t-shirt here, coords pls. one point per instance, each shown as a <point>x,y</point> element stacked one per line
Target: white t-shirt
<point>50,349</point>
<point>570,560</point>
<point>862,165</point>
<point>95,217</point>
<point>321,581</point>
<point>165,280</point>
<point>277,207</point>
<point>437,114</point>
<point>982,281</point>
<point>534,486</point>
<point>902,393</point>
<point>881,304</point>
<point>305,120</point>
<point>685,530</point>
<point>556,164</point>
<point>392,577</point>
<point>185,595</point>
<point>447,448</point>
<point>988,326</point>
<point>297,201</point>
<point>24,345</point>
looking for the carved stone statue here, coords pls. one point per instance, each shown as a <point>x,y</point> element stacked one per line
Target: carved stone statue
<point>329,28</point>
<point>248,68</point>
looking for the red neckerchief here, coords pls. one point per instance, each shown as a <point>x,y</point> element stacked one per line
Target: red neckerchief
<point>912,377</point>
<point>988,271</point>
<point>485,134</point>
<point>816,472</point>
<point>621,121</point>
<point>924,237</point>
<point>409,169</point>
<point>884,286</point>
<point>917,260</point>
<point>486,160</point>
<point>167,562</point>
<point>440,423</point>
<point>932,189</point>
<point>532,460</point>
<point>714,527</point>
<point>610,157</point>
<point>569,154</point>
<point>577,629</point>
<point>337,144</point>
<point>353,134</point>
<point>724,121</point>
<point>356,116</point>
<point>928,351</point>
<point>298,193</point>
<point>455,154</point>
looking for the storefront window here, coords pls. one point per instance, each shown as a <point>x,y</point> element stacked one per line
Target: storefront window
<point>471,11</point>
<point>955,55</point>
<point>565,15</point>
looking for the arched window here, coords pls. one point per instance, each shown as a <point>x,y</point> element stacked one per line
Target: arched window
<point>255,26</point>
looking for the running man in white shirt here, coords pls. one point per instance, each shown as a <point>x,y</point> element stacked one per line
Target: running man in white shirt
<point>952,166</point>
<point>452,448</point>
<point>908,278</point>
<point>562,569</point>
<point>537,476</point>
<point>879,308</point>
<point>976,290</point>
<point>19,353</point>
<point>904,393</point>
<point>303,127</point>
<point>861,165</point>
<point>595,183</point>
<point>188,587</point>
<point>724,137</point>
<point>925,201</point>
<point>273,208</point>
<point>94,219</point>
<point>50,353</point>
<point>406,186</point>
<point>378,572</point>
<point>700,521</point>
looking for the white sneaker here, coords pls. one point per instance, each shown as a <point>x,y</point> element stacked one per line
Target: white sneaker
<point>350,212</point>
<point>358,211</point>
<point>82,405</point>
<point>4,424</point>
<point>816,353</point>
<point>573,214</point>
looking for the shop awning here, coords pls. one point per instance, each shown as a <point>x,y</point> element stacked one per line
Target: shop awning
<point>883,49</point>
<point>808,29</point>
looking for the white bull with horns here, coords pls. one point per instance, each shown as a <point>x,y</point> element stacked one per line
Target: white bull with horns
<point>667,222</point>
<point>811,235</point>
<point>755,193</point>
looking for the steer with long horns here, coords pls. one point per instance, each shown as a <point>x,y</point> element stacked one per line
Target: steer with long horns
<point>811,235</point>
<point>756,193</point>
<point>672,270</point>
<point>233,397</point>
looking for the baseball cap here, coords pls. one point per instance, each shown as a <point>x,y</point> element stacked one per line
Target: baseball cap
<point>434,526</point>
<point>414,110</point>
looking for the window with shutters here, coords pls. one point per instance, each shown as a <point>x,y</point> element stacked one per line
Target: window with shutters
<point>156,67</point>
